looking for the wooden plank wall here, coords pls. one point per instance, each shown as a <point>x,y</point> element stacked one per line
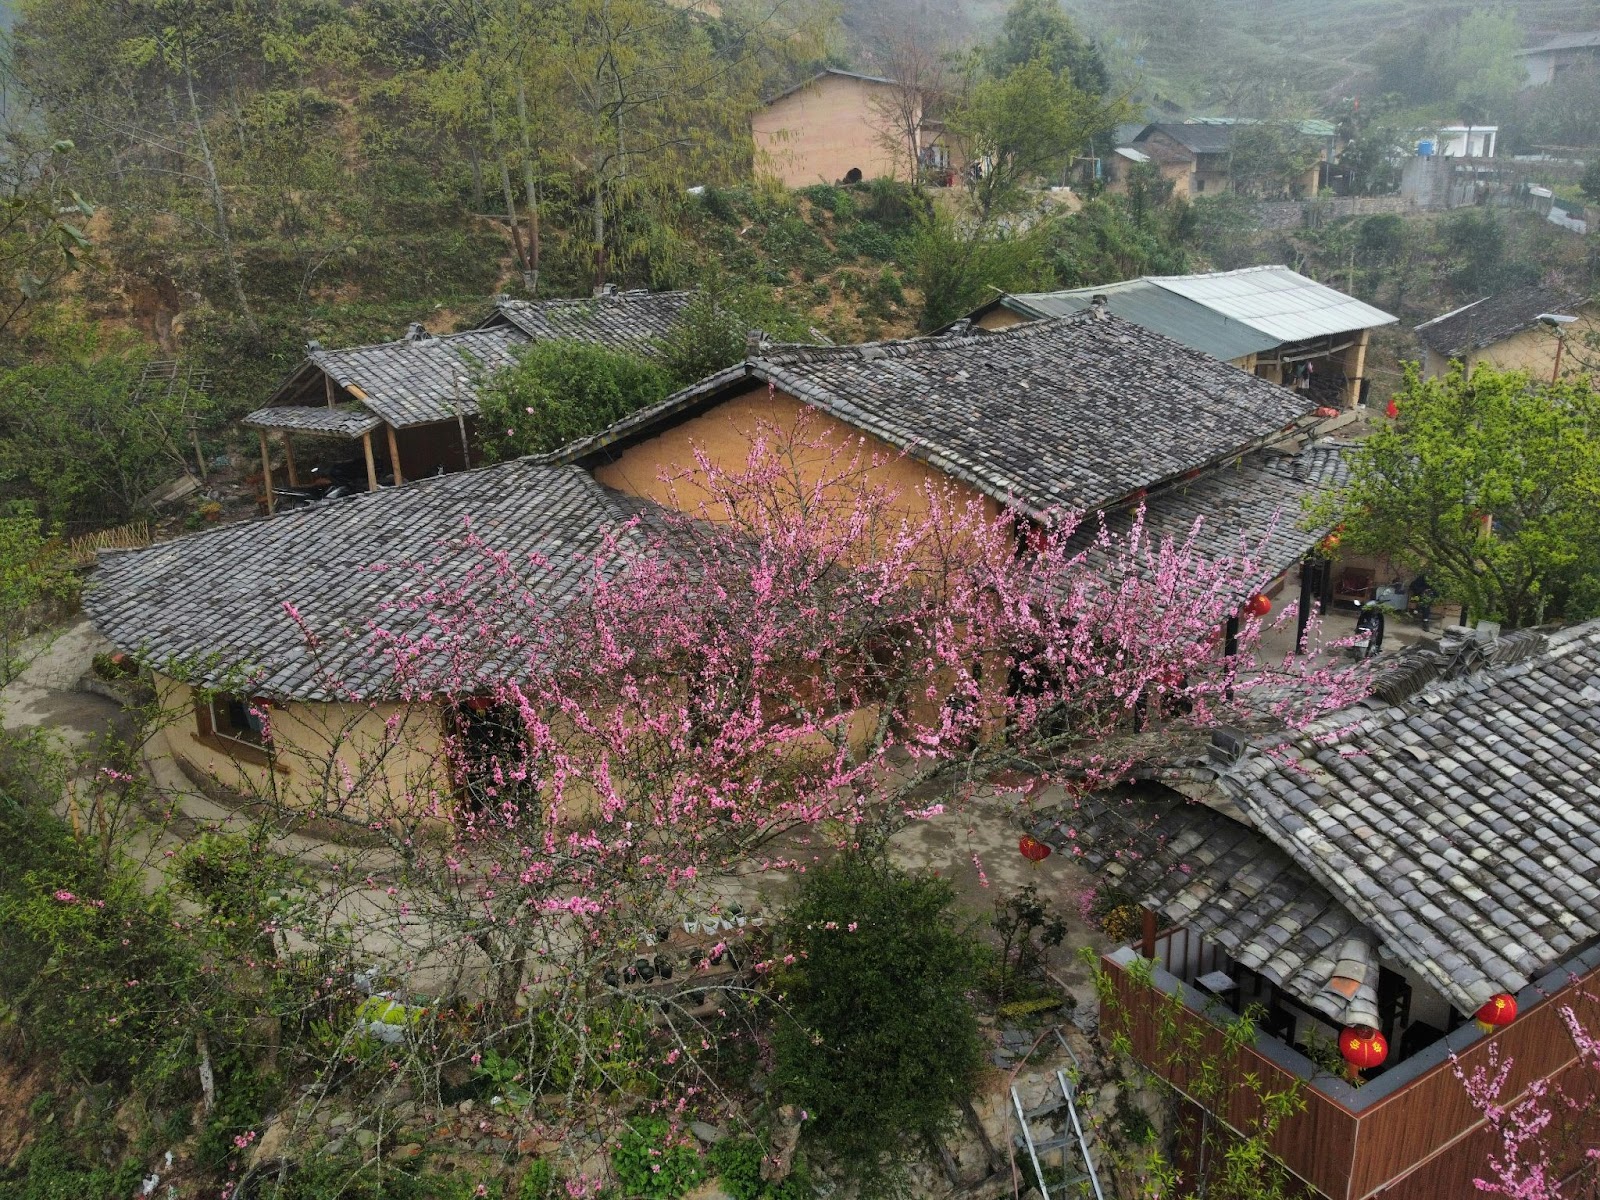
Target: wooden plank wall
<point>1425,1141</point>
<point>1404,1132</point>
<point>1318,1144</point>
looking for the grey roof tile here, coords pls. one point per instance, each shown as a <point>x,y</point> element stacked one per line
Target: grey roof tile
<point>216,599</point>
<point>1468,869</point>
<point>635,321</point>
<point>1070,413</point>
<point>1494,318</point>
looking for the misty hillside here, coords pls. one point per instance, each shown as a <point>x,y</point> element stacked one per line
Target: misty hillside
<point>1191,52</point>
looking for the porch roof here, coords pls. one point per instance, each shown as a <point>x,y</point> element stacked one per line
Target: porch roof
<point>1251,508</point>
<point>1204,871</point>
<point>344,420</point>
<point>634,321</point>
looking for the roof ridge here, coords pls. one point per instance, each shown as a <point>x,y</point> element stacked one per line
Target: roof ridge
<point>783,353</point>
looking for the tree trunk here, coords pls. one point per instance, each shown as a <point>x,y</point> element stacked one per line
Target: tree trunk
<point>479,200</point>
<point>505,190</point>
<point>530,275</point>
<point>599,231</point>
<point>219,203</point>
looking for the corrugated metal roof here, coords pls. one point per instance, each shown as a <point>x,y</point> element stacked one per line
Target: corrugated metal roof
<point>1155,309</point>
<point>1278,302</point>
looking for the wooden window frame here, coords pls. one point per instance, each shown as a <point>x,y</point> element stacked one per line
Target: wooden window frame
<point>208,734</point>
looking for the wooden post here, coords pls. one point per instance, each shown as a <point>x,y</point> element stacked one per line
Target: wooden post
<point>288,460</point>
<point>266,470</point>
<point>1353,378</point>
<point>1303,617</point>
<point>394,456</point>
<point>1147,933</point>
<point>327,387</point>
<point>372,467</point>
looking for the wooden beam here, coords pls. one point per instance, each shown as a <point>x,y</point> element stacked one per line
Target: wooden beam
<point>327,386</point>
<point>394,456</point>
<point>288,460</point>
<point>266,469</point>
<point>372,467</point>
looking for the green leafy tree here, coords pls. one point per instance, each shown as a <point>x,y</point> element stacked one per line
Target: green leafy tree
<point>561,390</point>
<point>713,332</point>
<point>78,439</point>
<point>1489,484</point>
<point>958,265</point>
<point>41,235</point>
<point>1041,29</point>
<point>1591,181</point>
<point>878,1041</point>
<point>29,575</point>
<point>1024,128</point>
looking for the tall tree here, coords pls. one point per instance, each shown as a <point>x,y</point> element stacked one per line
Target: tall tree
<point>1041,29</point>
<point>1489,485</point>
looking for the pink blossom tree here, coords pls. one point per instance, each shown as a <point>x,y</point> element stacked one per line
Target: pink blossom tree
<point>792,657</point>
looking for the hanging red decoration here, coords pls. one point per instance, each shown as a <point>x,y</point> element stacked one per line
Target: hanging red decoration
<point>1258,605</point>
<point>479,704</point>
<point>1033,849</point>
<point>1498,1011</point>
<point>1392,411</point>
<point>1363,1048</point>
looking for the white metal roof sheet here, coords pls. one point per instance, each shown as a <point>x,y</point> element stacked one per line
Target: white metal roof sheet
<point>1278,302</point>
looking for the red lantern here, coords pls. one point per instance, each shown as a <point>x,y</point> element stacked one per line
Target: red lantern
<point>1497,1012</point>
<point>1392,411</point>
<point>1363,1048</point>
<point>1033,849</point>
<point>1259,605</point>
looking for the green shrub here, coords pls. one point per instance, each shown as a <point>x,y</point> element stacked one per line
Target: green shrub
<point>654,1163</point>
<point>880,1040</point>
<point>89,962</point>
<point>48,1171</point>
<point>559,391</point>
<point>737,1163</point>
<point>538,1181</point>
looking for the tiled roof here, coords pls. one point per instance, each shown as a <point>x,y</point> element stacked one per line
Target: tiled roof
<point>1460,825</point>
<point>1201,870</point>
<point>1253,508</point>
<point>215,600</point>
<point>417,381</point>
<point>344,420</point>
<point>1199,139</point>
<point>1070,413</point>
<point>633,321</point>
<point>1495,318</point>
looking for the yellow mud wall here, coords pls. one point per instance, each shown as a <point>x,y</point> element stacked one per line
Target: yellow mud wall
<point>818,133</point>
<point>375,757</point>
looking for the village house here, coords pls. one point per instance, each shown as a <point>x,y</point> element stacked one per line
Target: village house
<point>412,404</point>
<point>1395,868</point>
<point>1270,321</point>
<point>1085,413</point>
<point>1533,329</point>
<point>1196,154</point>
<point>840,127</point>
<point>1545,62</point>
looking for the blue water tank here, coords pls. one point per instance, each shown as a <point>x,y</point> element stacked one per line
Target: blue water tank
<point>1425,148</point>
